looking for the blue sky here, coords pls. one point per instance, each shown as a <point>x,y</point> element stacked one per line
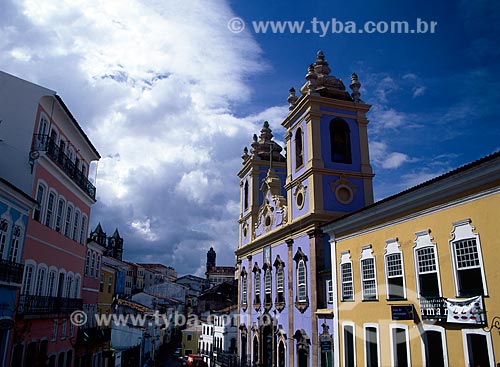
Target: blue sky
<point>170,97</point>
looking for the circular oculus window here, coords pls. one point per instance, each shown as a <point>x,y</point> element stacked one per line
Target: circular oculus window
<point>299,200</point>
<point>344,194</point>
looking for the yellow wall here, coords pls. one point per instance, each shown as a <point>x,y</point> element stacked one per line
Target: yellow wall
<point>484,215</point>
<point>192,344</point>
<point>105,298</point>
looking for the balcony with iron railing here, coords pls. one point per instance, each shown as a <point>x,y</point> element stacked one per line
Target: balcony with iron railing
<point>44,143</point>
<point>30,305</point>
<point>11,272</point>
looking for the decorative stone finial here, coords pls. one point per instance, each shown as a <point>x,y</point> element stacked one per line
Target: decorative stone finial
<point>254,150</point>
<point>321,65</point>
<point>265,134</point>
<point>355,85</point>
<point>245,155</point>
<point>292,98</point>
<point>311,78</point>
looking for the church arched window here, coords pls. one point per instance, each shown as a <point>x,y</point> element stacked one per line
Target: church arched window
<point>340,141</point>
<point>299,148</point>
<point>246,195</point>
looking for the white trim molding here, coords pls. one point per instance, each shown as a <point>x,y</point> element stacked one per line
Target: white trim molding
<point>392,327</point>
<point>463,231</point>
<point>489,344</point>
<point>376,327</point>
<point>422,241</point>
<point>440,330</point>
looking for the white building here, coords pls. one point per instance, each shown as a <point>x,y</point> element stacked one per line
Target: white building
<point>218,337</point>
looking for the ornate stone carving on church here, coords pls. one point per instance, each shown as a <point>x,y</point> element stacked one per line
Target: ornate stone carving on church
<point>344,190</point>
<point>300,195</point>
<point>320,82</point>
<point>273,212</point>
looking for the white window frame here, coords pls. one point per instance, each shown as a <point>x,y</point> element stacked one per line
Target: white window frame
<point>329,291</point>
<point>16,242</point>
<point>244,290</point>
<point>60,214</point>
<point>463,230</point>
<point>366,255</point>
<point>55,327</point>
<point>393,247</point>
<point>423,240</point>
<point>76,224</point>
<point>41,204</point>
<point>68,220</point>
<point>268,285</point>
<point>40,291</point>
<point>407,337</point>
<point>28,289</point>
<point>353,325</point>
<point>83,229</point>
<point>51,287</point>
<point>5,238</point>
<point>97,265</point>
<point>345,258</point>
<point>441,330</point>
<point>68,285</point>
<point>51,219</point>
<point>489,344</point>
<point>87,263</point>
<point>376,326</point>
<point>77,285</point>
<point>64,326</point>
<point>92,264</point>
<point>61,271</point>
<point>43,125</point>
<point>280,288</point>
<point>256,285</point>
<point>301,285</point>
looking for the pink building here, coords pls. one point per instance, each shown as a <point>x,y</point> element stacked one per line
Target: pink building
<point>48,155</point>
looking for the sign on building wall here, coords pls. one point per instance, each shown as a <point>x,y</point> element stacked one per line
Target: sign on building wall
<point>469,311</point>
<point>403,312</point>
<point>462,311</point>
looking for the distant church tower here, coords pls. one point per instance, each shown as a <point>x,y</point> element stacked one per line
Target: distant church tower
<point>99,236</point>
<point>113,244</point>
<point>211,258</point>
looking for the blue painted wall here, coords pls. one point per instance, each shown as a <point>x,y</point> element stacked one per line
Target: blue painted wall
<point>326,146</point>
<point>330,202</point>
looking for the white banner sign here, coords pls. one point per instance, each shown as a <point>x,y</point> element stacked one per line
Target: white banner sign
<point>465,311</point>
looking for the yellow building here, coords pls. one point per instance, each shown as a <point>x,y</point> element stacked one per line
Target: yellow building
<point>415,276</point>
<point>190,337</point>
<point>106,289</point>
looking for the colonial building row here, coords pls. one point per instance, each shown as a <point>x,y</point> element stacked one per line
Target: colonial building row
<point>415,278</point>
<point>50,266</point>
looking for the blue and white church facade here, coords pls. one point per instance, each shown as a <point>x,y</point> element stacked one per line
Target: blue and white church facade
<point>283,258</point>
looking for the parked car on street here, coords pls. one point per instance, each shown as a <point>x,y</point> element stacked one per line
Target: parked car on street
<point>196,360</point>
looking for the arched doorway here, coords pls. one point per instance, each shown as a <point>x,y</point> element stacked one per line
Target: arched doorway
<point>303,345</point>
<point>267,345</point>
